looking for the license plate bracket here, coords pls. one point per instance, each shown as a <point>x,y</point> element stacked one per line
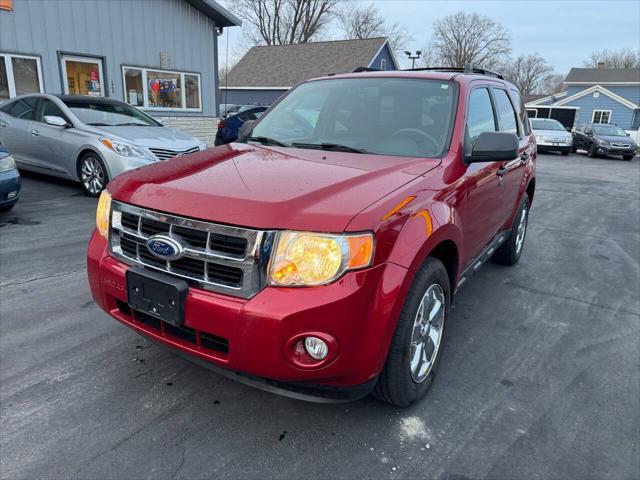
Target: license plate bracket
<point>158,295</point>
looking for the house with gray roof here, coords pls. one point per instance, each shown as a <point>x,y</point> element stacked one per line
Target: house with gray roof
<point>266,72</point>
<point>598,95</point>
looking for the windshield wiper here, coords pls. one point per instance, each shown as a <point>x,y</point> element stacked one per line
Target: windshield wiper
<point>99,124</point>
<point>136,124</point>
<point>336,147</point>
<point>267,141</point>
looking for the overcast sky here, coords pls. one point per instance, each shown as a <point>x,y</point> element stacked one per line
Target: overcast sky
<point>563,32</point>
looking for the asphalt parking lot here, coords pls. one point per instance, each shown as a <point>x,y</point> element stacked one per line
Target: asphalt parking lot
<point>539,379</point>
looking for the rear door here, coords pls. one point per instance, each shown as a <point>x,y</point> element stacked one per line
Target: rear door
<point>14,128</point>
<point>54,146</point>
<point>512,172</point>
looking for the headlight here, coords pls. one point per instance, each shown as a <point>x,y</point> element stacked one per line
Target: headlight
<point>124,149</point>
<point>7,163</point>
<point>102,213</point>
<point>305,259</point>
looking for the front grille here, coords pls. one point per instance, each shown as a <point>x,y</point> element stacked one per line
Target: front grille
<point>165,154</point>
<point>621,145</point>
<point>215,257</point>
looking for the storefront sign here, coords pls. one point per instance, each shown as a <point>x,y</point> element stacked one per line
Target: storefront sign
<point>94,75</point>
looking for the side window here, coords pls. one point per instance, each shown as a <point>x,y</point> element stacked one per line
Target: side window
<point>24,109</point>
<point>480,114</point>
<point>47,107</point>
<point>522,113</point>
<point>506,114</point>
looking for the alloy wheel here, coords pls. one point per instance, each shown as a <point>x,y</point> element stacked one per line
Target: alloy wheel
<point>92,175</point>
<point>427,333</point>
<point>521,229</point>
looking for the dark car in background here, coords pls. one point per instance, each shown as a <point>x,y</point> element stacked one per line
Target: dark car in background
<point>229,128</point>
<point>9,181</point>
<point>603,139</point>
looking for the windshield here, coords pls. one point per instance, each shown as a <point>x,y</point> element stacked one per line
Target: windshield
<point>609,130</point>
<point>109,114</point>
<point>546,124</point>
<point>388,116</point>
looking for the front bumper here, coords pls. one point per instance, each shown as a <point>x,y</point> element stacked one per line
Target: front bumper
<point>10,184</point>
<point>359,312</point>
<point>545,145</point>
<point>605,149</point>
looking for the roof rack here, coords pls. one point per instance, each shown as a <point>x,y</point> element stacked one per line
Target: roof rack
<point>365,69</point>
<point>468,69</point>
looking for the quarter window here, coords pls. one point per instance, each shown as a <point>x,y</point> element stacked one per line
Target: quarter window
<point>480,117</point>
<point>506,113</point>
<point>161,89</point>
<point>601,116</point>
<point>19,74</point>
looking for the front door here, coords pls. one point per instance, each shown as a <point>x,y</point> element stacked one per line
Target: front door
<point>83,76</point>
<point>484,203</point>
<point>15,134</point>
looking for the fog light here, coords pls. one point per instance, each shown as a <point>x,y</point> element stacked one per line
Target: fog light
<point>316,347</point>
<point>12,194</point>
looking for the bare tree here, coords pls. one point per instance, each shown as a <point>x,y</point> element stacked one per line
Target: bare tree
<point>470,38</point>
<point>527,72</point>
<point>552,84</point>
<point>364,20</point>
<point>281,22</point>
<point>623,58</point>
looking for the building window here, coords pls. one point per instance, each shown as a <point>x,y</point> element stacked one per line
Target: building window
<point>383,64</point>
<point>156,89</point>
<point>19,74</point>
<point>601,116</point>
<point>83,75</point>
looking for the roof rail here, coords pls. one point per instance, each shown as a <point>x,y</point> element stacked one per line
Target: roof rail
<point>468,69</point>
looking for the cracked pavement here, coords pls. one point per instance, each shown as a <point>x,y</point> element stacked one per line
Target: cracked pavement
<point>539,378</point>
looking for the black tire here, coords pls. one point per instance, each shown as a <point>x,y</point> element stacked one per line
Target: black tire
<point>6,208</point>
<point>509,252</point>
<point>593,150</point>
<point>565,152</point>
<point>92,174</point>
<point>628,157</point>
<point>574,148</point>
<point>396,384</point>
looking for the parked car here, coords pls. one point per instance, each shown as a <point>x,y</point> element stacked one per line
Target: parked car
<point>603,139</point>
<point>320,261</point>
<point>551,135</point>
<point>229,127</point>
<point>87,139</point>
<point>9,181</point>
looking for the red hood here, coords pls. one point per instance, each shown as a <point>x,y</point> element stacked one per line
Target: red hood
<point>268,187</point>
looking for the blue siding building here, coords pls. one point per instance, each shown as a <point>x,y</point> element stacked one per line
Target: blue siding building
<point>159,55</point>
<point>266,72</point>
<point>598,95</point>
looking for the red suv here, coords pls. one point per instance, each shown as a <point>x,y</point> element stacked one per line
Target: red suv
<point>318,257</point>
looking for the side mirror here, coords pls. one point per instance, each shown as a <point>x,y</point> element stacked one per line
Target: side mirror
<point>245,129</point>
<point>55,120</point>
<point>494,147</point>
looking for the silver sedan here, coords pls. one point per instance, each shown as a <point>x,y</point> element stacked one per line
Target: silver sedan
<point>86,139</point>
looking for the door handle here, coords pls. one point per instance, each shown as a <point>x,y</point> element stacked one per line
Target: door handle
<point>34,133</point>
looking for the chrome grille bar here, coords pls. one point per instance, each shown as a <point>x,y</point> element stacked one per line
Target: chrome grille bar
<point>238,274</point>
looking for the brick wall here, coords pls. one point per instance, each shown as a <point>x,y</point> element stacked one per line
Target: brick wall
<point>203,128</point>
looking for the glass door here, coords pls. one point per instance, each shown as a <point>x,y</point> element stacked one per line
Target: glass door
<point>83,76</point>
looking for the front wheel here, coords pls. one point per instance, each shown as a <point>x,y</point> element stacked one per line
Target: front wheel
<point>628,157</point>
<point>509,252</point>
<point>417,343</point>
<point>93,174</point>
<point>593,151</point>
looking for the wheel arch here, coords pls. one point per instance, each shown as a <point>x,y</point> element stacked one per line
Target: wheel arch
<point>84,150</point>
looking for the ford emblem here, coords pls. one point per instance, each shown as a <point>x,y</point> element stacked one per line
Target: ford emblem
<point>164,247</point>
